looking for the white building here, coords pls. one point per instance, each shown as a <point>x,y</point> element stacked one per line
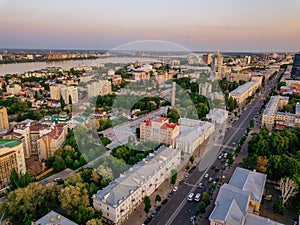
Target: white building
<point>55,92</point>
<point>122,196</point>
<point>101,87</point>
<point>13,89</point>
<point>205,88</point>
<point>217,115</point>
<point>241,93</point>
<point>67,91</point>
<point>192,134</point>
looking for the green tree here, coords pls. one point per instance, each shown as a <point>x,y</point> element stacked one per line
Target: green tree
<point>206,198</point>
<point>157,198</point>
<point>174,174</point>
<point>192,159</point>
<point>59,163</point>
<point>147,203</point>
<point>62,103</point>
<point>173,115</point>
<point>18,180</point>
<point>279,207</point>
<point>94,222</point>
<point>202,207</point>
<point>26,204</point>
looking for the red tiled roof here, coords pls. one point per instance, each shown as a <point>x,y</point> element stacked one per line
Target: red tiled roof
<point>169,125</point>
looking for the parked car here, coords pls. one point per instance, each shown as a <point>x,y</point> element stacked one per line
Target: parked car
<point>197,197</point>
<point>191,196</point>
<point>148,220</point>
<point>192,219</point>
<point>186,175</point>
<point>175,188</point>
<point>206,175</point>
<point>164,201</point>
<point>153,214</point>
<point>210,179</point>
<point>157,208</point>
<point>170,194</point>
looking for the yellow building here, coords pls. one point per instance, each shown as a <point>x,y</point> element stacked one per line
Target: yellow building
<point>48,143</point>
<point>159,130</point>
<point>11,157</point>
<point>3,119</point>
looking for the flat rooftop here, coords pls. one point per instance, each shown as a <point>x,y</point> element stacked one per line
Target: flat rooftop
<point>9,143</point>
<point>243,88</point>
<point>132,179</point>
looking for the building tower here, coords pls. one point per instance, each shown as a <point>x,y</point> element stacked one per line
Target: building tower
<point>173,97</point>
<point>4,125</point>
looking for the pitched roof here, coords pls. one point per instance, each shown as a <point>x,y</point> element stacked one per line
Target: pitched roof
<point>229,212</point>
<point>54,218</point>
<point>251,181</point>
<point>258,220</point>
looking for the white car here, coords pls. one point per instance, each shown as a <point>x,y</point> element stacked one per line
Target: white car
<point>175,188</point>
<point>206,175</point>
<point>191,196</point>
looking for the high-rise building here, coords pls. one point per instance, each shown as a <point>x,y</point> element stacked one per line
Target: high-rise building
<point>67,91</point>
<point>207,58</point>
<point>217,64</point>
<point>12,157</point>
<point>205,88</point>
<point>101,87</point>
<point>55,92</point>
<point>3,119</point>
<point>296,67</point>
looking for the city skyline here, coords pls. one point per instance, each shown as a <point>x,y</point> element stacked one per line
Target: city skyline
<point>200,25</point>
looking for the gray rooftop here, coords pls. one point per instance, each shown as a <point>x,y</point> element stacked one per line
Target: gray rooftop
<point>248,180</point>
<point>243,88</point>
<point>229,212</point>
<point>228,192</point>
<point>126,184</point>
<point>258,220</point>
<point>272,105</point>
<point>54,218</point>
<point>189,134</point>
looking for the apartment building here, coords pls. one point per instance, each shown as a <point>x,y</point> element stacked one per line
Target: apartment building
<point>238,202</point>
<point>11,157</point>
<point>241,93</point>
<point>101,87</point>
<point>4,125</point>
<point>205,88</point>
<point>57,91</point>
<point>271,117</point>
<point>217,115</point>
<point>159,130</point>
<point>193,133</point>
<point>69,92</point>
<point>13,89</point>
<point>39,139</point>
<point>48,143</point>
<point>122,196</point>
<point>162,77</point>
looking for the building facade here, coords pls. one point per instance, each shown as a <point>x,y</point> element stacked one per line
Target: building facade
<point>51,141</point>
<point>192,135</point>
<point>159,130</point>
<point>241,93</point>
<point>11,157</point>
<point>238,202</point>
<point>101,87</point>
<point>4,125</point>
<point>272,117</point>
<point>296,67</point>
<point>121,197</point>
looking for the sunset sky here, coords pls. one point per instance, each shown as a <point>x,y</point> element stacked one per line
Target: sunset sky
<point>216,25</point>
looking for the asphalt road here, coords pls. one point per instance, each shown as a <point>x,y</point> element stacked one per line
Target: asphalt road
<point>179,210</point>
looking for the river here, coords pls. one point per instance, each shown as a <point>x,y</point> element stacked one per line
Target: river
<point>19,68</point>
